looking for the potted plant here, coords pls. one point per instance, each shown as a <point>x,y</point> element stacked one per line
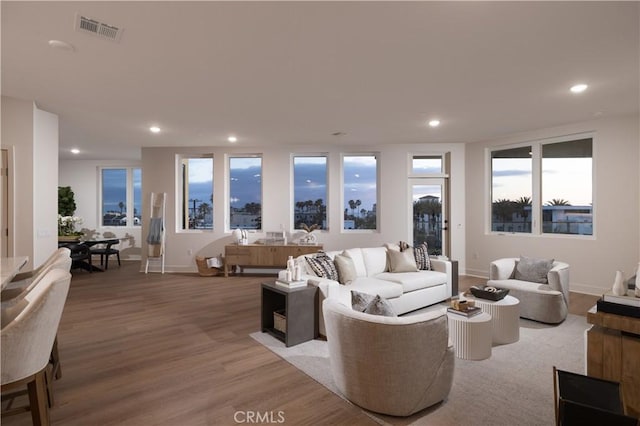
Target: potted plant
<point>66,220</point>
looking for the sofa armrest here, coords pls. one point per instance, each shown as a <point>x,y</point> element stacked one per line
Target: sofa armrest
<point>502,269</point>
<point>558,278</point>
<point>446,267</point>
<point>328,288</point>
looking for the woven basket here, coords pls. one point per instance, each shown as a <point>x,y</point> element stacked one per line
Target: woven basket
<point>203,269</point>
<point>280,321</point>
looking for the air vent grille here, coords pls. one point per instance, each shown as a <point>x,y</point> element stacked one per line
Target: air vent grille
<point>97,28</point>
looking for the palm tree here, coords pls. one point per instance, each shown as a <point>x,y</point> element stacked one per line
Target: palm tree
<point>358,203</point>
<point>503,209</point>
<point>121,205</point>
<point>558,202</point>
<point>352,206</point>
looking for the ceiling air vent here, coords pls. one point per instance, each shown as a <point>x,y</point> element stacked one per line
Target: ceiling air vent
<point>97,28</point>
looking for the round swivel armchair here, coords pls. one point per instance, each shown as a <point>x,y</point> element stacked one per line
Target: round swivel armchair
<point>389,365</point>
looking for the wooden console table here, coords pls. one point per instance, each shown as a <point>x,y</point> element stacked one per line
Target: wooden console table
<point>613,353</point>
<point>263,255</point>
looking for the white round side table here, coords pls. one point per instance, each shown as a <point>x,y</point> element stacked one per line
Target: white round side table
<point>471,337</point>
<point>505,317</point>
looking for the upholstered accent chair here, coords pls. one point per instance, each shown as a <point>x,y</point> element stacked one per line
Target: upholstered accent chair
<point>544,302</point>
<point>28,339</point>
<point>391,365</point>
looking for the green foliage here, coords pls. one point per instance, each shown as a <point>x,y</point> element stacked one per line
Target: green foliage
<point>66,201</point>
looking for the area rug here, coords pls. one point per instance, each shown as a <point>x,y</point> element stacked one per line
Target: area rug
<point>513,387</point>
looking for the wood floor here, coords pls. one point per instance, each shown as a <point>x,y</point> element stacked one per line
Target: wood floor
<point>174,349</point>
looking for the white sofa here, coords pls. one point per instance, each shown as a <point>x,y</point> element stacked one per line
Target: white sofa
<point>546,303</point>
<point>406,291</point>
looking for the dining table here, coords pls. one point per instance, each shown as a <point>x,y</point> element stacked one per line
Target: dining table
<point>9,268</point>
<point>81,262</point>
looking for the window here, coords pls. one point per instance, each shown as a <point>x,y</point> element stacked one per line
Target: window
<point>360,186</point>
<point>567,187</point>
<point>310,191</point>
<point>196,196</point>
<point>511,189</point>
<point>426,164</point>
<point>245,192</point>
<point>121,192</point>
<point>560,202</point>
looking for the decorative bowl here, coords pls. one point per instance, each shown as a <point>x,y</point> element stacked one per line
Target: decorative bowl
<point>489,293</point>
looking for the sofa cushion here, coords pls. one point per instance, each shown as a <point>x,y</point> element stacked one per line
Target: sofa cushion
<point>375,260</point>
<point>358,260</point>
<point>533,270</point>
<point>411,281</point>
<point>346,269</point>
<point>526,286</point>
<point>371,285</point>
<point>323,266</point>
<point>402,261</point>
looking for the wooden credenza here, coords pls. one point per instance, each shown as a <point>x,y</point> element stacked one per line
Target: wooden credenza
<point>613,353</point>
<point>263,255</point>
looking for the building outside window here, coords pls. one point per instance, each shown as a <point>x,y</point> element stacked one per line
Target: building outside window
<point>310,191</point>
<point>121,196</point>
<point>196,192</point>
<point>360,188</point>
<point>245,192</point>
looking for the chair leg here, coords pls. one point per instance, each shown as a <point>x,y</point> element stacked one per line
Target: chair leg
<point>49,383</point>
<point>118,255</point>
<point>106,262</point>
<point>55,360</point>
<point>38,400</point>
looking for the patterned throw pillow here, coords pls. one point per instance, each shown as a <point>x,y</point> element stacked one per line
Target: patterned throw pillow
<point>322,265</point>
<point>421,253</point>
<point>360,301</point>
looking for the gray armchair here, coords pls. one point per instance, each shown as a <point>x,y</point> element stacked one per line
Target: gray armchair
<point>546,303</point>
<point>390,365</point>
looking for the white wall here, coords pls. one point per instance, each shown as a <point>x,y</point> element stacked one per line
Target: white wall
<point>45,189</point>
<point>615,245</point>
<point>32,136</point>
<point>83,178</point>
<point>394,206</point>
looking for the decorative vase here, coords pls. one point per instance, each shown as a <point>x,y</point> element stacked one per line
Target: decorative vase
<point>637,290</point>
<point>237,234</point>
<point>619,289</point>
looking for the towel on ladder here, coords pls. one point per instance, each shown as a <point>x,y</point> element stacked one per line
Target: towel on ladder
<point>155,237</point>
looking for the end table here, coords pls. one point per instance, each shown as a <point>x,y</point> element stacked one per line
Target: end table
<point>300,309</point>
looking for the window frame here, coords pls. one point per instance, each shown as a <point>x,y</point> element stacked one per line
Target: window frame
<point>537,203</point>
<point>292,221</point>
<point>444,172</point>
<point>129,198</point>
<point>180,192</point>
<point>377,157</point>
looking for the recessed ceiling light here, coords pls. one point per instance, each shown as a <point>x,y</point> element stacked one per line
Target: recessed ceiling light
<point>578,88</point>
<point>232,139</point>
<point>434,123</point>
<point>154,129</point>
<point>75,151</point>
<point>61,45</point>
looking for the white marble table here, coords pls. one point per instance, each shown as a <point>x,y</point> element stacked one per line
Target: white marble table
<point>9,267</point>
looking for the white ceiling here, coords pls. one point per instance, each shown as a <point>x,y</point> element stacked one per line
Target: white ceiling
<point>296,72</point>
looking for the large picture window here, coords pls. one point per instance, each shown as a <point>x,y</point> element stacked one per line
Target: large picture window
<point>567,194</point>
<point>310,191</point>
<point>121,193</point>
<point>511,189</point>
<point>360,186</point>
<point>245,192</point>
<point>196,192</point>
<point>562,202</point>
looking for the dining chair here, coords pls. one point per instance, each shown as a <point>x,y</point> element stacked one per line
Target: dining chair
<point>105,251</point>
<point>81,256</point>
<point>18,288</point>
<point>27,340</point>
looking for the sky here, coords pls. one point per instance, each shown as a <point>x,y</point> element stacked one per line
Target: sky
<point>562,178</point>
